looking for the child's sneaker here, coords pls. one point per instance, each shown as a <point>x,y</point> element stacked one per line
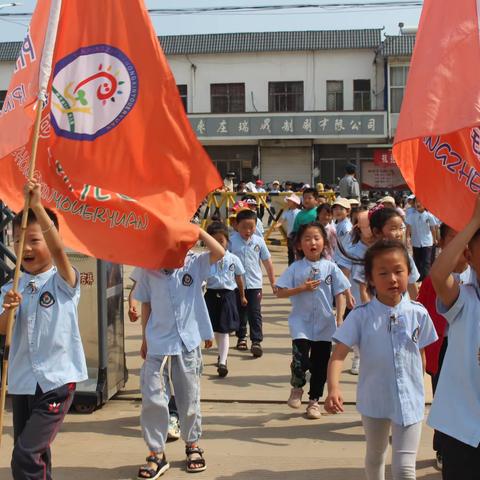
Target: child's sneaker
<point>313,410</point>
<point>173,428</point>
<point>295,399</point>
<point>355,370</point>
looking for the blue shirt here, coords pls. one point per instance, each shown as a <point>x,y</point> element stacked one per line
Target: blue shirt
<point>456,406</point>
<point>46,346</point>
<point>420,228</point>
<point>312,314</point>
<point>344,239</point>
<point>389,339</point>
<point>358,273</point>
<point>223,273</point>
<point>357,250</point>
<point>259,230</point>
<point>289,217</point>
<point>250,252</point>
<point>179,315</point>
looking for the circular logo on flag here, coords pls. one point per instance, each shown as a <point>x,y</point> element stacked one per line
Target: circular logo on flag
<point>93,90</point>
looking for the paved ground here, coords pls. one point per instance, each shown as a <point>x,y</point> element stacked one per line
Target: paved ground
<point>249,431</point>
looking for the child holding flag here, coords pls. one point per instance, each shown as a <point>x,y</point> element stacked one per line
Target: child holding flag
<point>174,322</point>
<point>46,355</point>
<point>456,407</point>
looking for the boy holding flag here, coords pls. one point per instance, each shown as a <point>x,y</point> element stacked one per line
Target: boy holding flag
<point>46,354</point>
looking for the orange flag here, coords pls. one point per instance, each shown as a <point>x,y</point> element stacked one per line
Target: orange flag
<point>117,157</point>
<point>437,144</point>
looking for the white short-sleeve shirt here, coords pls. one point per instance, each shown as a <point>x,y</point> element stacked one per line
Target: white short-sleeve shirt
<point>312,314</point>
<point>456,406</point>
<point>389,339</point>
<point>223,273</point>
<point>179,314</point>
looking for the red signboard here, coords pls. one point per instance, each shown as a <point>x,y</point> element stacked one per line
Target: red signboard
<point>383,157</point>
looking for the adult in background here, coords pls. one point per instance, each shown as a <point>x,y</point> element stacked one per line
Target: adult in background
<point>348,186</point>
<point>228,182</point>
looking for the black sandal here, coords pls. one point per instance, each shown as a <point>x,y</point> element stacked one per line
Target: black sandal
<point>151,474</point>
<point>242,344</point>
<point>190,450</point>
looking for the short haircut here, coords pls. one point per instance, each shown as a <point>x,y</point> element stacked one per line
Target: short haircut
<point>218,227</point>
<point>324,206</point>
<point>311,191</point>
<point>246,215</point>
<point>380,247</point>
<point>444,228</point>
<point>31,218</point>
<point>350,168</point>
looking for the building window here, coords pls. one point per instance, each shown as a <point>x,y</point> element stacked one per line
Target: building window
<point>182,90</point>
<point>398,81</point>
<point>285,96</point>
<point>361,95</point>
<point>334,95</point>
<point>3,94</point>
<point>227,97</point>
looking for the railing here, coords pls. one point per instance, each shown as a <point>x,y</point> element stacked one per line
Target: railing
<point>219,204</point>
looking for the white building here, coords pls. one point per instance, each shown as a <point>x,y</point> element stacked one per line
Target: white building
<point>291,106</point>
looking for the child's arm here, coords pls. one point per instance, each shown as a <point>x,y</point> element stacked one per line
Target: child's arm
<point>50,234</point>
<point>364,295</point>
<point>341,304</point>
<point>11,301</point>
<point>146,311</point>
<point>268,264</point>
<point>412,289</point>
<point>241,289</point>
<point>334,400</point>
<point>308,286</point>
<point>216,250</point>
<point>132,305</point>
<point>441,272</point>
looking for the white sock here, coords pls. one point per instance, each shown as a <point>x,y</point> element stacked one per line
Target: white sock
<point>223,344</point>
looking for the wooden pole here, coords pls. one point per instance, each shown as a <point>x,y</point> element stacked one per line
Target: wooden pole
<point>16,277</point>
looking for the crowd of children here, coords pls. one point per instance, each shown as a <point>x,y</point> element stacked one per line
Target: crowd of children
<point>351,282</point>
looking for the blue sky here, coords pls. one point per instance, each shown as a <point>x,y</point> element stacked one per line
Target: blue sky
<point>305,19</point>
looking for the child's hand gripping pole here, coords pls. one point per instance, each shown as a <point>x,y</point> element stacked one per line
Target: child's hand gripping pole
<point>16,276</point>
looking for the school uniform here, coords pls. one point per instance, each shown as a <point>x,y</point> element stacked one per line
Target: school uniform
<point>344,241</point>
<point>220,296</point>
<point>288,216</point>
<point>357,251</point>
<point>456,406</point>
<point>422,240</point>
<point>177,325</point>
<point>312,321</point>
<point>259,229</point>
<point>358,273</point>
<point>46,362</point>
<point>250,252</point>
<point>390,391</point>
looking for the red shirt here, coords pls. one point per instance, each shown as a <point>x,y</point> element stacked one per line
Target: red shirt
<point>428,298</point>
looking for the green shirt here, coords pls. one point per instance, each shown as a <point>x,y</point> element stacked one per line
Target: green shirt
<point>303,217</point>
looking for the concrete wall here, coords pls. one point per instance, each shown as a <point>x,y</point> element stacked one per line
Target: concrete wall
<point>6,71</point>
<point>257,69</point>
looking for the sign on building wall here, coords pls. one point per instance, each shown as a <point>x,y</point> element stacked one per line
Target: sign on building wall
<point>381,177</point>
<point>317,124</point>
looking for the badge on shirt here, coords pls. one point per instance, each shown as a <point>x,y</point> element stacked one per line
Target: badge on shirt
<point>257,248</point>
<point>46,300</point>
<point>415,334</point>
<point>187,280</point>
<point>232,267</point>
<point>328,280</point>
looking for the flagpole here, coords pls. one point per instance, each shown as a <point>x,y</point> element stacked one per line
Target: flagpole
<point>44,77</point>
